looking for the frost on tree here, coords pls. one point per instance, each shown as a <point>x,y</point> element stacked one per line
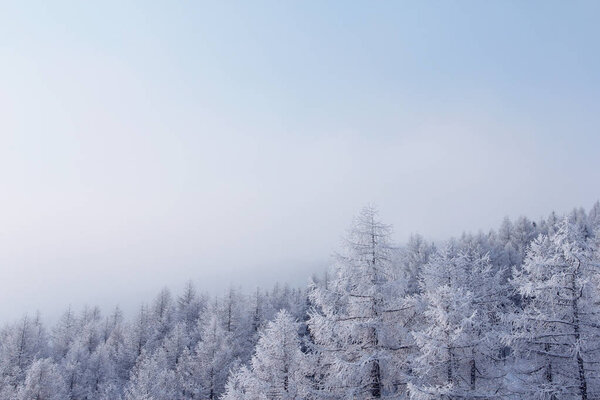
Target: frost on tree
<point>20,345</point>
<point>413,257</point>
<point>556,335</point>
<point>214,357</point>
<point>278,370</point>
<point>383,323</point>
<point>358,323</point>
<point>152,379</point>
<point>458,346</point>
<point>43,382</point>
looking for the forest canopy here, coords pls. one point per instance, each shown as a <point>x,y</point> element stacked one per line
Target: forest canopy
<point>508,314</point>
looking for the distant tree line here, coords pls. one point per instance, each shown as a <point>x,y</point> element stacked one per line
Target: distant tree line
<point>509,314</point>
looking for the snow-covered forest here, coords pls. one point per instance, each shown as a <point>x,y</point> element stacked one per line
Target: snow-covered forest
<point>511,313</point>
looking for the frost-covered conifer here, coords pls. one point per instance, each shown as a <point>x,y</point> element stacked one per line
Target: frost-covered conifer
<point>358,324</point>
<point>214,357</point>
<point>151,379</point>
<point>43,382</point>
<point>556,335</point>
<point>278,369</point>
<point>458,343</point>
<point>20,345</point>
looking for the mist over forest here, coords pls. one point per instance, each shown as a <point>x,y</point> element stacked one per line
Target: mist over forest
<point>513,313</point>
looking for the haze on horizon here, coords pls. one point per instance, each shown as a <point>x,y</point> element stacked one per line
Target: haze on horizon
<point>145,144</point>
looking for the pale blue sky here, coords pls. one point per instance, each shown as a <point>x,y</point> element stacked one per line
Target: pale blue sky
<point>143,144</point>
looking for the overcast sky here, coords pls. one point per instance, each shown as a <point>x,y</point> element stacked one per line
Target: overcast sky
<point>232,142</point>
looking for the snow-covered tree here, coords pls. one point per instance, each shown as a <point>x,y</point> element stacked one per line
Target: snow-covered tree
<point>262,311</point>
<point>233,311</point>
<point>214,357</point>
<point>115,346</point>
<point>161,317</point>
<point>358,323</point>
<point>593,220</point>
<point>458,344</point>
<point>151,379</point>
<point>42,382</point>
<point>189,383</point>
<point>413,257</point>
<point>278,368</point>
<point>20,345</point>
<point>190,306</point>
<point>557,334</point>
<point>138,334</point>
<point>63,334</point>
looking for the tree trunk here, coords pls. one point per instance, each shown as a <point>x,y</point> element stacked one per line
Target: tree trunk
<point>473,374</point>
<point>449,366</point>
<point>375,380</point>
<point>549,377</point>
<point>577,332</point>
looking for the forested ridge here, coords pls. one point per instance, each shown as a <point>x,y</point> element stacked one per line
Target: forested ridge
<point>513,313</point>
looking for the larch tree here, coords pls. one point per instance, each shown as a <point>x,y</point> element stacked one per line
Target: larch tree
<point>278,368</point>
<point>358,322</point>
<point>233,312</point>
<point>215,356</point>
<point>63,334</point>
<point>42,382</point>
<point>458,349</point>
<point>190,307</point>
<point>151,379</point>
<point>556,335</point>
<point>594,218</point>
<point>413,257</point>
<point>20,345</point>
<point>162,315</point>
<point>138,334</point>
